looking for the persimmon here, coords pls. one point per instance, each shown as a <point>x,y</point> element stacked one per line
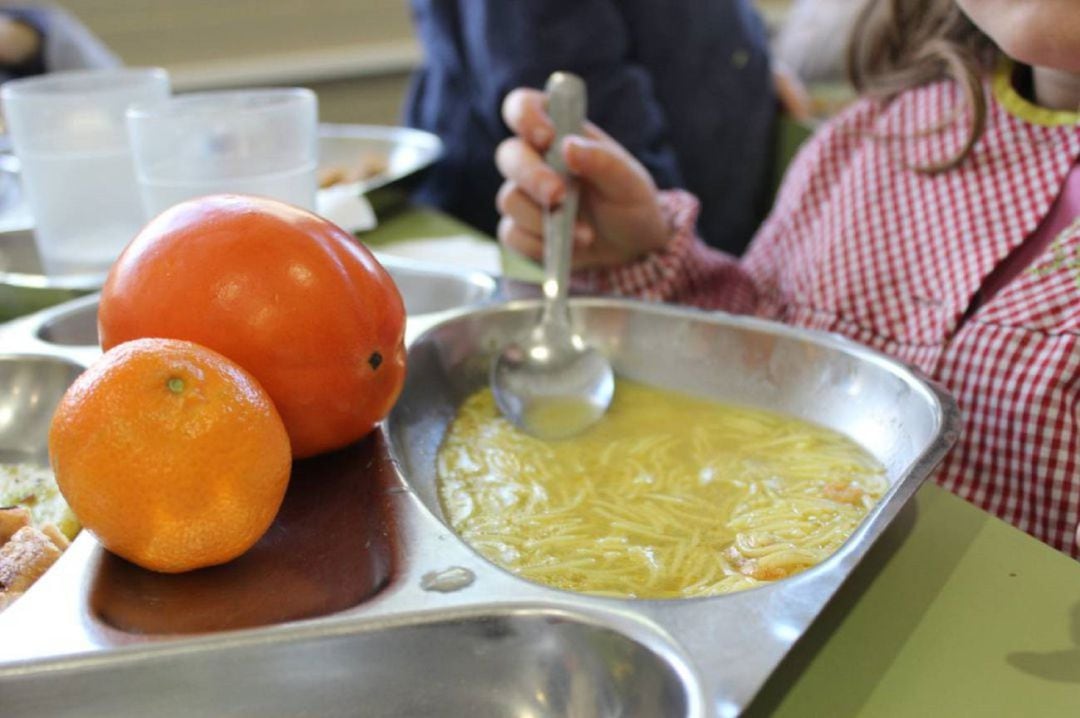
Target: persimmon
<point>287,295</point>
<point>172,455</point>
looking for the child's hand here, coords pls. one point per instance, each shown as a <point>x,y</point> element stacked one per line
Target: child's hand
<point>619,218</point>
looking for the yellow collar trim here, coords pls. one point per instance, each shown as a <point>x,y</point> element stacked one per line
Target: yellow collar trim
<point>1016,105</point>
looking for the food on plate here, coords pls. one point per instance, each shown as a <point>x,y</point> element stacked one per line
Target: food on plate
<point>287,295</point>
<point>33,486</point>
<point>171,454</point>
<point>36,526</point>
<point>27,554</point>
<point>367,166</point>
<point>668,496</point>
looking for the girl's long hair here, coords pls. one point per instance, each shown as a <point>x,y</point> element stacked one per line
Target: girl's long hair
<point>900,44</point>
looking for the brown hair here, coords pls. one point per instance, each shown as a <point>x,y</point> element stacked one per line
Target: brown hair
<point>900,44</point>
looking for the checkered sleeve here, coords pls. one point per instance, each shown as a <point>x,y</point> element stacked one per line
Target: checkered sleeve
<point>686,271</point>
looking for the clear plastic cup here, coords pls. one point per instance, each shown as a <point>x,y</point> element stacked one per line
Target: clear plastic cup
<point>68,131</point>
<point>258,142</point>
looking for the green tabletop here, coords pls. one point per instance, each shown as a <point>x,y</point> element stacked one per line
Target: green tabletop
<point>399,221</point>
<point>953,612</point>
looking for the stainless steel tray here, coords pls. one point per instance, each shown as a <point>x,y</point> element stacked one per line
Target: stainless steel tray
<point>402,151</point>
<point>443,632</point>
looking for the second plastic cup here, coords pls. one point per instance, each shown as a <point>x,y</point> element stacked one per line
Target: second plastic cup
<point>259,142</point>
<point>68,131</point>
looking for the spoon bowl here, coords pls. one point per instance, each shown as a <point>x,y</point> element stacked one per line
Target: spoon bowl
<point>552,385</point>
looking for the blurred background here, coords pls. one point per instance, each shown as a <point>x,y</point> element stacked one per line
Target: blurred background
<point>356,54</point>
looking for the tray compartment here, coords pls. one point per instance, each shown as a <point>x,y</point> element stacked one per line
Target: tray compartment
<point>523,662</point>
<point>73,328</point>
<point>32,386</point>
<point>735,641</point>
<point>330,548</point>
<point>818,378</point>
<point>428,290</point>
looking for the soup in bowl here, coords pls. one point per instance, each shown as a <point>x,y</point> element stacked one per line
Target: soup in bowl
<point>737,452</point>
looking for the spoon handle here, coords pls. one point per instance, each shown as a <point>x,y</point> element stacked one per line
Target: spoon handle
<point>566,107</point>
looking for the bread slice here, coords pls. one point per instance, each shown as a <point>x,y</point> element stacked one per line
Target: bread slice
<point>36,526</point>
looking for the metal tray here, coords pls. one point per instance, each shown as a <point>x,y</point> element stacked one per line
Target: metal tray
<point>434,628</point>
<point>402,151</point>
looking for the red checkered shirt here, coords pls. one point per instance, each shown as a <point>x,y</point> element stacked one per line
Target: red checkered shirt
<point>861,244</point>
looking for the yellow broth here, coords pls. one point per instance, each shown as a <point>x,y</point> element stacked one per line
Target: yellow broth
<point>667,496</point>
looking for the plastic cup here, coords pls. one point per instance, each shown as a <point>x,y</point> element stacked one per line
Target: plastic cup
<point>257,142</point>
<point>68,131</point>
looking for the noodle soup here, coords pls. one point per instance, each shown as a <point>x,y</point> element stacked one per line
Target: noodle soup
<point>668,496</point>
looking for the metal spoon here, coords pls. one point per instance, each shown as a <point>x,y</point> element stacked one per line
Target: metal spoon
<point>551,384</point>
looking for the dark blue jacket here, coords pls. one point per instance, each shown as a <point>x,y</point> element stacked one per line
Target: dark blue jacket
<point>683,84</point>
